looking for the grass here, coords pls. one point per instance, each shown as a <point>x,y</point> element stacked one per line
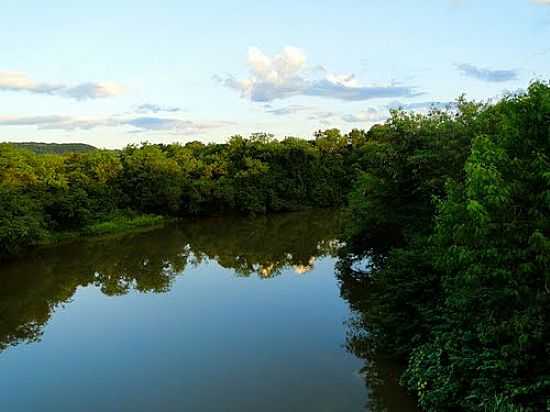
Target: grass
<point>123,223</point>
<point>116,224</point>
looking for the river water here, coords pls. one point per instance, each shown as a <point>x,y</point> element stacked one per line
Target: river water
<point>217,314</point>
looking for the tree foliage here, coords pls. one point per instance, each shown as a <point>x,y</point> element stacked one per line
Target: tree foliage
<point>462,286</point>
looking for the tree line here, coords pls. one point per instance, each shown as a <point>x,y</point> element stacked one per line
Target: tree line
<point>44,195</point>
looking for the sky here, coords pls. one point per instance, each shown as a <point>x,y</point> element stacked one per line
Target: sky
<point>112,73</point>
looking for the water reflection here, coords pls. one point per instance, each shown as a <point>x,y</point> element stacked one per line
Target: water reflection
<point>380,372</point>
<point>186,316</point>
<point>33,287</point>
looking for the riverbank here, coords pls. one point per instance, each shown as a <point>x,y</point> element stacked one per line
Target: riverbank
<point>128,222</point>
<point>119,224</point>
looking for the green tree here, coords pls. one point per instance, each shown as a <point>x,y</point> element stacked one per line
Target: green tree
<point>150,181</point>
<point>492,246</point>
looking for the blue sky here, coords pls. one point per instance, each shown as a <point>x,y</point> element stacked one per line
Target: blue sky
<point>113,73</point>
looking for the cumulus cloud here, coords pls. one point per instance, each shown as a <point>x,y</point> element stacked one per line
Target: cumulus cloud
<point>155,108</point>
<point>286,75</point>
<point>68,123</point>
<point>20,82</point>
<point>370,115</point>
<point>487,75</point>
<point>543,2</point>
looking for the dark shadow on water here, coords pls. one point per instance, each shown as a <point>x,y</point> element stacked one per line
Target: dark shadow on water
<point>381,373</point>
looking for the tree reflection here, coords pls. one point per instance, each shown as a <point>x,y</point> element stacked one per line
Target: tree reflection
<point>33,287</point>
<point>381,373</point>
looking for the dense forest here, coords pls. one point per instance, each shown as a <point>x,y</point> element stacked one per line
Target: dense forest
<point>447,256</point>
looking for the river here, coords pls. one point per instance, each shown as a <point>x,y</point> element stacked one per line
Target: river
<point>214,314</point>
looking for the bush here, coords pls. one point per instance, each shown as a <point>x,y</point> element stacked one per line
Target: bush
<point>21,223</point>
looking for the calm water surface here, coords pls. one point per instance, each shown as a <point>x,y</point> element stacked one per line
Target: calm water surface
<point>224,314</point>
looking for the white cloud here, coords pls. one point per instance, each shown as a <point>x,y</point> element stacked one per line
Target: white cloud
<point>155,108</point>
<point>286,75</point>
<point>370,115</point>
<point>321,116</point>
<point>381,114</point>
<point>311,113</point>
<point>291,109</point>
<point>280,68</point>
<point>92,91</point>
<point>174,125</point>
<point>20,82</point>
<point>422,106</point>
<point>543,2</point>
<point>15,81</point>
<point>158,123</point>
<point>58,122</point>
<point>152,124</point>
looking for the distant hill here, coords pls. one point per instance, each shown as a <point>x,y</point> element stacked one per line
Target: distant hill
<point>57,148</point>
